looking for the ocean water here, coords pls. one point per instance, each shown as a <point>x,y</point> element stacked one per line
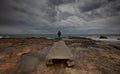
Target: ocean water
<point>93,36</point>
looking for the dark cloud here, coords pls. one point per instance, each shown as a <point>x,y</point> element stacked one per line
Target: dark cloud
<point>18,9</point>
<point>58,2</point>
<point>115,6</point>
<point>90,6</point>
<point>98,10</point>
<point>9,22</point>
<point>112,0</point>
<point>48,16</point>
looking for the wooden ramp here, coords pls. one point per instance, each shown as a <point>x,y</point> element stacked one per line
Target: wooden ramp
<point>59,50</point>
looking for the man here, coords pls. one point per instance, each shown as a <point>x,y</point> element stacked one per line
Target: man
<point>59,34</point>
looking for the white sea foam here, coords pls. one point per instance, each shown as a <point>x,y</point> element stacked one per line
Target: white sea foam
<point>1,37</point>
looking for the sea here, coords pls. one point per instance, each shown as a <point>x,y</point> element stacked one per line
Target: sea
<point>52,36</point>
<point>65,36</point>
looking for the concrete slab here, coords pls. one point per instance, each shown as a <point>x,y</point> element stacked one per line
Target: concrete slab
<point>59,50</point>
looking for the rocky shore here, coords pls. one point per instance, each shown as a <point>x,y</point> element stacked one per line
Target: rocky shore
<point>27,56</point>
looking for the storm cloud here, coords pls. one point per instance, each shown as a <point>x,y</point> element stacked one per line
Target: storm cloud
<point>69,16</point>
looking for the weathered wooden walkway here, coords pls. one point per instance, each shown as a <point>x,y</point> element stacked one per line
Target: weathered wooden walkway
<point>59,50</point>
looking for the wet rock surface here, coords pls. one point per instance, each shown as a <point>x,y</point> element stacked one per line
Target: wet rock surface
<point>27,56</point>
<point>27,64</point>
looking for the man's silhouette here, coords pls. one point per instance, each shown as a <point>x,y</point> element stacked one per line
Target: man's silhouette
<point>59,34</point>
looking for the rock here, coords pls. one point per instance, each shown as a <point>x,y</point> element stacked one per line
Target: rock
<point>102,37</point>
<point>43,38</point>
<point>7,67</point>
<point>91,66</point>
<point>70,63</point>
<point>23,52</point>
<point>3,55</point>
<point>4,45</point>
<point>28,63</point>
<point>27,56</point>
<point>118,38</point>
<point>75,71</point>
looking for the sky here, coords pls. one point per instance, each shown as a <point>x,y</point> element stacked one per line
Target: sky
<point>68,16</point>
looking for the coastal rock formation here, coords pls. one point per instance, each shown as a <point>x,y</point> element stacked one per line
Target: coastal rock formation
<point>27,56</point>
<point>103,37</point>
<point>118,38</point>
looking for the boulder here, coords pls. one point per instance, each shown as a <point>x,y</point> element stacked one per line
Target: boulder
<point>118,38</point>
<point>103,37</point>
